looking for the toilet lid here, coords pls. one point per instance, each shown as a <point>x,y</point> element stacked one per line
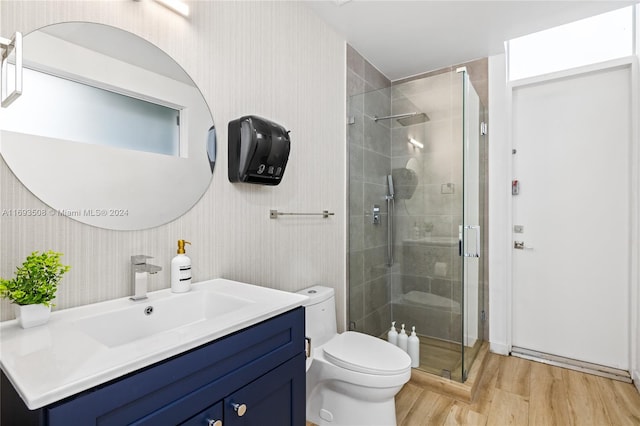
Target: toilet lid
<point>366,354</point>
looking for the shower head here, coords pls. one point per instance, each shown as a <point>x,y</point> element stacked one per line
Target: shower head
<point>406,181</point>
<point>390,182</point>
<point>414,119</point>
<point>407,119</point>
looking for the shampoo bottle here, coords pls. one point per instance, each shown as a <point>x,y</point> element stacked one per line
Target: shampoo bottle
<point>392,336</point>
<point>181,270</point>
<point>414,348</point>
<point>402,339</point>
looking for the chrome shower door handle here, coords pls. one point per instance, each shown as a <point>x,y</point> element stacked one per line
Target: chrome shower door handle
<point>477,229</point>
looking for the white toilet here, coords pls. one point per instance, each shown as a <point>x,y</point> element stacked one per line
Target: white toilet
<point>352,378</point>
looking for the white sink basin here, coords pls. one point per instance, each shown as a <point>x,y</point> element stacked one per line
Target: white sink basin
<point>83,347</point>
<point>147,318</point>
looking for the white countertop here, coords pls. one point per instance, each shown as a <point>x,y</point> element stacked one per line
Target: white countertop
<point>66,356</point>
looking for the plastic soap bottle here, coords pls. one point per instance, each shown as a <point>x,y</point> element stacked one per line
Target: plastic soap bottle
<point>392,336</point>
<point>181,270</point>
<point>414,348</point>
<point>402,339</point>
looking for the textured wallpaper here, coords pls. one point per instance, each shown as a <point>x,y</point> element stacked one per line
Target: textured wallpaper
<point>273,59</point>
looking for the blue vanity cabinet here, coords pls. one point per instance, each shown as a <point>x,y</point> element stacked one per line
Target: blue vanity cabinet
<point>260,368</point>
<point>265,401</point>
<point>257,400</point>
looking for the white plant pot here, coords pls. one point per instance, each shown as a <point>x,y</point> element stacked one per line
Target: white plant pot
<point>32,315</point>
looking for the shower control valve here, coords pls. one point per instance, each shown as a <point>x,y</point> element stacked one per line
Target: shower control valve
<point>375,211</point>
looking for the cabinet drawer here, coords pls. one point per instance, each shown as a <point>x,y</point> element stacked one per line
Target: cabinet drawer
<point>177,388</point>
<point>277,398</point>
<point>207,417</point>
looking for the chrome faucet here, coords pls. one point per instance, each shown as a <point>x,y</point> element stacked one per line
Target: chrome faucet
<point>140,271</point>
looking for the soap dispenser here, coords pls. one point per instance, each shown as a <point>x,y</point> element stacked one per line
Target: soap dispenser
<point>414,348</point>
<point>402,339</point>
<point>392,336</point>
<point>181,270</point>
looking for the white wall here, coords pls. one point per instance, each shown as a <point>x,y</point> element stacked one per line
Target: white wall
<point>273,59</point>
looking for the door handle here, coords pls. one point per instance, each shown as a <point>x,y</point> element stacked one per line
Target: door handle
<point>519,245</point>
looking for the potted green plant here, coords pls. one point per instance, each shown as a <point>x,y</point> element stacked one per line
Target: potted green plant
<point>34,287</point>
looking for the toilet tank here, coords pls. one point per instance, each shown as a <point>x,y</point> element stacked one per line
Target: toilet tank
<point>320,314</point>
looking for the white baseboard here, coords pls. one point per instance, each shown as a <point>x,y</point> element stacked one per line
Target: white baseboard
<point>498,348</point>
<point>635,375</point>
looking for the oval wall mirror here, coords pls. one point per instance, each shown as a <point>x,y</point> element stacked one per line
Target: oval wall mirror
<point>109,129</point>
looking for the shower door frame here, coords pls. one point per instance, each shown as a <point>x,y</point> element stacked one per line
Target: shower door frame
<point>471,228</point>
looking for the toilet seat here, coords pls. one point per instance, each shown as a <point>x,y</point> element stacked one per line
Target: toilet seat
<point>366,354</point>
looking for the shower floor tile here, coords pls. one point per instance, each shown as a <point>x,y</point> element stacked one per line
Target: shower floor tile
<point>438,355</point>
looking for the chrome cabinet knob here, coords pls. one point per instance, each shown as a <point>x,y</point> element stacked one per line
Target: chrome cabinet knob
<point>240,409</point>
<point>214,422</point>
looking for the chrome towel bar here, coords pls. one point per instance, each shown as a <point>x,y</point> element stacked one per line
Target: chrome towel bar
<point>273,214</point>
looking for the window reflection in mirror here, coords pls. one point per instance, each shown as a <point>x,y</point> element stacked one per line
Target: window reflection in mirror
<point>59,108</point>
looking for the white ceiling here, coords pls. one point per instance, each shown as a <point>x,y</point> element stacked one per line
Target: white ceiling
<point>405,38</point>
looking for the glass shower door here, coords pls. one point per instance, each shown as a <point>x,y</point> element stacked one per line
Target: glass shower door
<point>471,232</point>
<point>424,133</point>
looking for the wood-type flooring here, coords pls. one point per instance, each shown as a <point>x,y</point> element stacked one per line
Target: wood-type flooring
<point>515,391</point>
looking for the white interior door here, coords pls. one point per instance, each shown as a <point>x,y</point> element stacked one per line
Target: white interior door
<point>571,285</point>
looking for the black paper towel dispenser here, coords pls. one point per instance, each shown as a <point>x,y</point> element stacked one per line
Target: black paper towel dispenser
<point>258,150</point>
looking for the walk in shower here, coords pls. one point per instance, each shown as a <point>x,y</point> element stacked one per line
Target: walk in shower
<point>416,209</point>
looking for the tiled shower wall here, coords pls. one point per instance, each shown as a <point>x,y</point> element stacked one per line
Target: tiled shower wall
<point>368,95</point>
